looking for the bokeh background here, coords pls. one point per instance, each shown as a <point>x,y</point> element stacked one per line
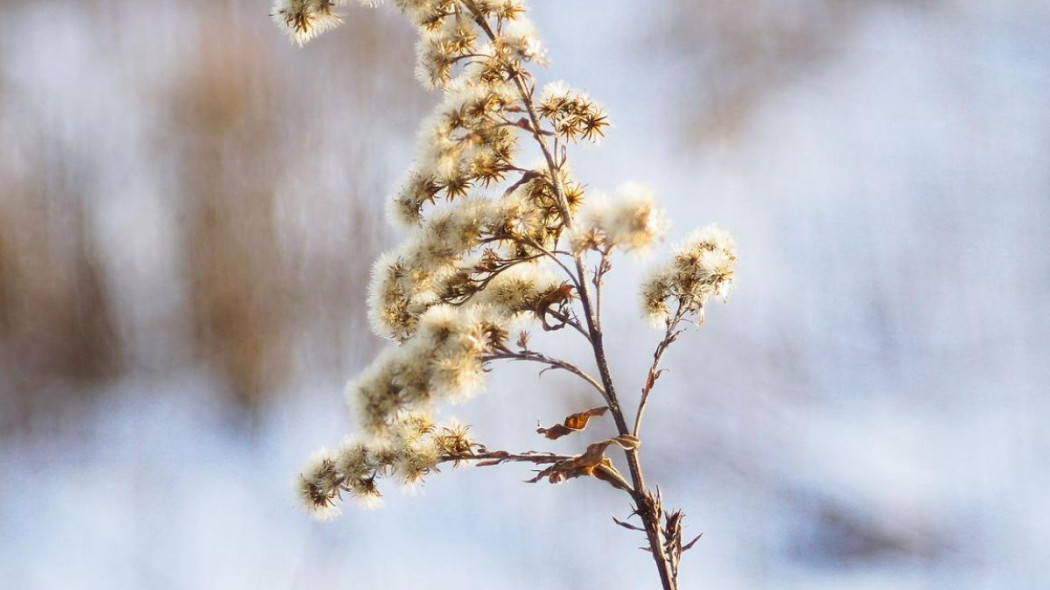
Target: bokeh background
<point>188,212</point>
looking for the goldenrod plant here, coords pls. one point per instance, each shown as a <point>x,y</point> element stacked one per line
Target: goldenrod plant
<point>497,248</point>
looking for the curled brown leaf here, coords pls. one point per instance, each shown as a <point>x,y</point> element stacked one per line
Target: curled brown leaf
<point>592,462</point>
<point>573,423</point>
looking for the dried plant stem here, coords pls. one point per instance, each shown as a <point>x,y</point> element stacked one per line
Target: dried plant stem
<point>496,457</point>
<point>599,274</point>
<point>552,363</point>
<point>670,335</point>
<point>645,504</point>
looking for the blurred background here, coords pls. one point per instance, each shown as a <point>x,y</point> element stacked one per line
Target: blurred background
<point>188,212</point>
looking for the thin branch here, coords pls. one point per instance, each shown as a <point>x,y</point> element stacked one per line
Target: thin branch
<point>647,505</point>
<point>554,363</point>
<point>572,321</point>
<point>670,335</point>
<point>497,457</point>
<point>552,255</point>
<point>603,267</point>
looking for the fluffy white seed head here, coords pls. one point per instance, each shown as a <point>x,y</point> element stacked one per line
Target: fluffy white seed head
<point>520,37</point>
<point>655,291</point>
<point>631,220</point>
<point>415,189</point>
<point>302,20</point>
<point>394,293</point>
<point>520,288</point>
<point>707,262</point>
<point>704,265</point>
<point>318,486</point>
<point>558,90</point>
<point>373,396</point>
<point>451,343</point>
<point>634,220</point>
<point>709,237</point>
<point>572,113</point>
<point>452,232</point>
<point>352,460</point>
<point>415,460</point>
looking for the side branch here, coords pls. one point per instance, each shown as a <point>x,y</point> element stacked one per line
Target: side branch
<point>670,335</point>
<point>646,504</point>
<point>551,362</point>
<point>487,458</point>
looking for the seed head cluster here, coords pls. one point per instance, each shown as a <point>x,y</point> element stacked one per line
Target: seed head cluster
<point>702,267</point>
<point>490,240</point>
<point>408,452</point>
<point>631,220</point>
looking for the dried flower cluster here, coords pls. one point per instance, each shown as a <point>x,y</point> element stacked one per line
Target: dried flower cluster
<point>410,451</point>
<point>631,221</point>
<point>703,266</point>
<point>496,248</point>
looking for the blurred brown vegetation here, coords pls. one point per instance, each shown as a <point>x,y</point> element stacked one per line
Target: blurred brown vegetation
<point>740,51</point>
<point>56,316</point>
<point>275,203</point>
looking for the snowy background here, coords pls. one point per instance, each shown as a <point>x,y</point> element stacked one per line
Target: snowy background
<point>188,211</point>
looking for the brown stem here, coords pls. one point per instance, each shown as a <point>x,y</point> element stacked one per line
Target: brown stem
<point>646,506</point>
<point>670,335</point>
<point>530,355</point>
<point>645,503</point>
<point>503,456</point>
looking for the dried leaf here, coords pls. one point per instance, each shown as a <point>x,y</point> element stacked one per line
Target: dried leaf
<point>594,455</point>
<point>573,423</point>
<point>592,462</point>
<point>627,525</point>
<point>488,463</point>
<point>554,432</point>
<point>579,420</point>
<point>690,544</point>
<point>674,521</point>
<point>526,177</point>
<point>607,473</point>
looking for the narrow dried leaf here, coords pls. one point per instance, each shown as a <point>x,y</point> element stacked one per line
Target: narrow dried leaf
<point>554,432</point>
<point>627,525</point>
<point>526,177</point>
<point>690,544</point>
<point>592,462</point>
<point>573,423</point>
<point>607,473</point>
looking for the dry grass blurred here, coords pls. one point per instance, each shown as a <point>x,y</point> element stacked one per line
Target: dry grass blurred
<point>242,292</point>
<point>274,194</point>
<point>56,319</point>
<point>745,50</point>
